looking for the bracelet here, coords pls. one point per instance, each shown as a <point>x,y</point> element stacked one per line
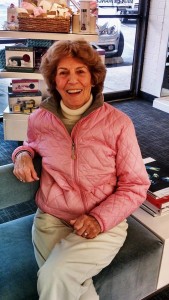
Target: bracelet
<point>23,151</point>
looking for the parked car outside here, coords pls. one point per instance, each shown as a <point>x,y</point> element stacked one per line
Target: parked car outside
<point>110,36</point>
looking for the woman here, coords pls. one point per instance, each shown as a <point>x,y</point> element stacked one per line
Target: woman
<point>93,176</point>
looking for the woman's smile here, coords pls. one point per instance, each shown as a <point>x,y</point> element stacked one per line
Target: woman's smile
<point>74,91</point>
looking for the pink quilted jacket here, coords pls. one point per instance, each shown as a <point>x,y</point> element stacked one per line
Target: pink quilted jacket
<point>98,170</point>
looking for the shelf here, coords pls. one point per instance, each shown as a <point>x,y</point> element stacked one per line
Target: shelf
<point>47,35</point>
<point>34,75</point>
<point>42,36</point>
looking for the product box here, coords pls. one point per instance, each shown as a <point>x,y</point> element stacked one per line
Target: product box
<point>19,58</point>
<point>12,14</point>
<point>24,102</point>
<point>25,85</point>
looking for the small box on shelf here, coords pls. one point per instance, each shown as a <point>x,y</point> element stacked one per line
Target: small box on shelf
<point>25,85</point>
<point>20,59</point>
<point>24,102</point>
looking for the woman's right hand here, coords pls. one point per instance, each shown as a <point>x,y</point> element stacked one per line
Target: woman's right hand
<point>24,169</point>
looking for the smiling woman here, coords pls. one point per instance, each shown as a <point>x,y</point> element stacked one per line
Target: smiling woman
<point>92,170</point>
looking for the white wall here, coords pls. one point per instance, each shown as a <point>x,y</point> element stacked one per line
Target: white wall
<point>156,47</point>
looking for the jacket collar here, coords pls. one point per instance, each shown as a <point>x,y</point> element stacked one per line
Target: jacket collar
<point>53,106</point>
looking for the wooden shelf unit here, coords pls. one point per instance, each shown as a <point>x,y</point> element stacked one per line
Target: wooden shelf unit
<point>47,35</point>
<point>19,121</point>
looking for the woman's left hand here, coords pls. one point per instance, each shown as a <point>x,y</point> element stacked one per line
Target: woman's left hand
<point>86,226</point>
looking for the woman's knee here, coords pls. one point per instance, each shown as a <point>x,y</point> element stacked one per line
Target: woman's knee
<point>53,271</point>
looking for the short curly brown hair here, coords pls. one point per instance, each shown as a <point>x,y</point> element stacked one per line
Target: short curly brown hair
<point>80,49</point>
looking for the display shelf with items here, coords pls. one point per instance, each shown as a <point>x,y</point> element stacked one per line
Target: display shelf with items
<point>52,16</point>
<point>44,20</point>
<point>38,36</point>
<point>21,30</point>
<point>44,15</point>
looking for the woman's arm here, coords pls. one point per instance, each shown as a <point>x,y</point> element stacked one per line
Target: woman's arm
<point>132,182</point>
<point>23,156</point>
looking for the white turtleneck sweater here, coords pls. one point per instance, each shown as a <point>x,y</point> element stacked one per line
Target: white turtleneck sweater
<point>70,116</point>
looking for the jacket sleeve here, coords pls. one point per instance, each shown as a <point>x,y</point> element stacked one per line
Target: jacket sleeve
<point>132,181</point>
<point>28,145</point>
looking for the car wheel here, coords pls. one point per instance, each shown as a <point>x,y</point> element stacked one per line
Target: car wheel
<point>121,45</point>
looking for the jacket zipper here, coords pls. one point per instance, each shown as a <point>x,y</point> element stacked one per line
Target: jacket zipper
<point>73,154</point>
<point>74,158</point>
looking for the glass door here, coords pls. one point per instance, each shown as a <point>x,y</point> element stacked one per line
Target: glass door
<point>122,32</point>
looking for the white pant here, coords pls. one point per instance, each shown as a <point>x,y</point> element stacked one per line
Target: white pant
<point>67,261</point>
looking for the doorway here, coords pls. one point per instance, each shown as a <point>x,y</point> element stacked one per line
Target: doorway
<point>124,68</point>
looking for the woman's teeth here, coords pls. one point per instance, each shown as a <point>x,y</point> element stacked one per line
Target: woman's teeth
<point>73,91</point>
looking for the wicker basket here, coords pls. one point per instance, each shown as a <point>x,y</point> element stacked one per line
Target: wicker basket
<point>39,24</point>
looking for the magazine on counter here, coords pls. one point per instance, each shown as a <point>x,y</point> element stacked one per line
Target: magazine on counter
<point>158,192</point>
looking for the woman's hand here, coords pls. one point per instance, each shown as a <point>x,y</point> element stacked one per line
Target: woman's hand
<point>86,226</point>
<point>24,168</point>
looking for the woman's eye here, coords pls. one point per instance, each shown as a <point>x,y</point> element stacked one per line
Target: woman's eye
<point>62,73</point>
<point>80,71</point>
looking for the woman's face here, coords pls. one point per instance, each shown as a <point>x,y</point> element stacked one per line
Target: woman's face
<point>73,82</point>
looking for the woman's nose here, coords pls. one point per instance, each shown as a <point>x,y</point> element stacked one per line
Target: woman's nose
<point>73,78</point>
